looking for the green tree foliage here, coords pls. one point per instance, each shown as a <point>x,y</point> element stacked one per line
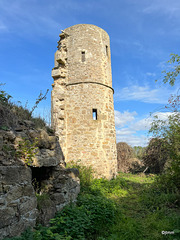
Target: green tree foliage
<point>169,129</point>
<point>138,151</point>
<point>170,76</point>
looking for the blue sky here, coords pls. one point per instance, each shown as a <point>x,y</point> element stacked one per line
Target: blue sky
<point>143,33</point>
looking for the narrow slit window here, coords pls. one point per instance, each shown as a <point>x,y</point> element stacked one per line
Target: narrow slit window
<point>107,51</point>
<point>94,114</point>
<point>83,56</point>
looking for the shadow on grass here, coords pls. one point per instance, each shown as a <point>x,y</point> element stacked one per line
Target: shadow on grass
<point>145,210</point>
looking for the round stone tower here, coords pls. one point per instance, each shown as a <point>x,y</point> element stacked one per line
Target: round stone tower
<point>82,99</point>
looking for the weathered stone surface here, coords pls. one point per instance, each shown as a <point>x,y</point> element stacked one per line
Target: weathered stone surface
<point>14,174</point>
<point>7,216</point>
<point>46,212</point>
<point>48,161</point>
<point>84,87</point>
<point>58,198</point>
<point>18,203</point>
<point>18,181</point>
<point>28,123</point>
<point>1,143</point>
<point>27,205</point>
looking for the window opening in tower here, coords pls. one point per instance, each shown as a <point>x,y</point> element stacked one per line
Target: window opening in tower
<point>83,56</point>
<point>107,51</point>
<point>94,114</point>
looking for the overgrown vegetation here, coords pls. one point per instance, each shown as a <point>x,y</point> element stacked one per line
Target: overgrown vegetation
<point>85,174</point>
<point>169,130</point>
<point>127,161</point>
<point>26,150</point>
<point>156,155</point>
<point>12,113</point>
<point>139,152</point>
<point>130,207</point>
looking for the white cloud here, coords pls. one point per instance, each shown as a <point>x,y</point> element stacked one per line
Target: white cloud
<point>132,133</point>
<point>143,94</point>
<point>133,140</point>
<point>145,123</point>
<point>141,125</point>
<point>125,131</point>
<point>122,118</point>
<point>127,134</point>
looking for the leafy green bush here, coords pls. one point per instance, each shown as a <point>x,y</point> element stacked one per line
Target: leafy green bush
<point>101,211</point>
<point>85,174</point>
<point>92,217</point>
<point>106,188</point>
<point>4,97</point>
<point>41,233</point>
<point>72,221</point>
<point>27,150</point>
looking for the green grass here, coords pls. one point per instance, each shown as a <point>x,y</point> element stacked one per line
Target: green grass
<point>146,211</point>
<point>130,207</point>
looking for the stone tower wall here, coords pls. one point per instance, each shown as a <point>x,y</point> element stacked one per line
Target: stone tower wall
<point>83,84</point>
<point>94,41</point>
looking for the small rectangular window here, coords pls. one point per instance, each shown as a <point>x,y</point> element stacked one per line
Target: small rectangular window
<point>107,51</point>
<point>94,114</point>
<point>83,56</point>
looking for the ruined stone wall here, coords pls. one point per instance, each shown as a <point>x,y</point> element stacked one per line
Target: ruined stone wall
<point>86,87</point>
<point>20,182</point>
<point>58,95</point>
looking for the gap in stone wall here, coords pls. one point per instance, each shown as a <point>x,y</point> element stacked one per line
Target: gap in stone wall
<point>40,174</point>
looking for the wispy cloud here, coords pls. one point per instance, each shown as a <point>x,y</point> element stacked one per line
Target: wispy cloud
<point>3,27</point>
<point>26,18</point>
<point>146,94</point>
<point>138,93</point>
<point>149,74</point>
<point>170,8</point>
<point>43,17</point>
<point>141,48</point>
<point>133,130</point>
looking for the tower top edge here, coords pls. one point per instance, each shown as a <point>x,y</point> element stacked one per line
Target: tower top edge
<point>85,26</point>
